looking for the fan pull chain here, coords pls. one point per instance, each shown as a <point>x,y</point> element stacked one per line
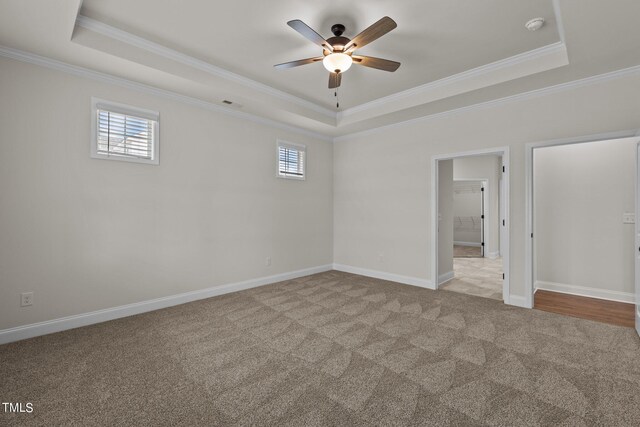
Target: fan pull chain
<point>337,98</point>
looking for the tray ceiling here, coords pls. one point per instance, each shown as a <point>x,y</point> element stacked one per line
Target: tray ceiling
<point>434,39</point>
<point>455,54</point>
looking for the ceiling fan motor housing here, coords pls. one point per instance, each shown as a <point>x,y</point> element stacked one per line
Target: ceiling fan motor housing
<point>337,29</point>
<point>338,43</point>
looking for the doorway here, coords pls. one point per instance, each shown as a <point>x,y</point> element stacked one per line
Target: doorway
<point>479,269</point>
<point>474,272</point>
<point>582,244</point>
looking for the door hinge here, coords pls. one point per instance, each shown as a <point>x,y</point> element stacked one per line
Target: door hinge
<point>532,235</point>
<point>503,222</point>
<point>482,189</point>
<point>502,276</point>
<point>481,216</point>
<point>482,244</point>
<point>503,169</point>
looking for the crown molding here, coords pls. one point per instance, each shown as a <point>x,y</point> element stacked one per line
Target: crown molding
<point>574,84</point>
<point>158,49</point>
<point>452,81</point>
<point>535,55</point>
<point>532,55</point>
<point>32,58</point>
<point>76,12</point>
<point>559,23</point>
<point>43,61</point>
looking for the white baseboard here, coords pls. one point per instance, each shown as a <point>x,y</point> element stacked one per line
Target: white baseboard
<point>445,277</point>
<point>414,281</point>
<point>586,292</point>
<point>493,255</point>
<point>518,301</point>
<point>78,320</point>
<point>467,244</point>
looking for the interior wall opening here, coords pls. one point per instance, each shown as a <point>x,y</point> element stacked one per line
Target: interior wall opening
<point>583,215</point>
<point>471,213</point>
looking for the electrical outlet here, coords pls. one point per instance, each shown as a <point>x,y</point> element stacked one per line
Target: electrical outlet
<point>629,218</point>
<point>267,261</point>
<point>26,299</point>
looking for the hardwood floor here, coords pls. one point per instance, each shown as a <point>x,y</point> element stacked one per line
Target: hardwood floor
<point>613,312</point>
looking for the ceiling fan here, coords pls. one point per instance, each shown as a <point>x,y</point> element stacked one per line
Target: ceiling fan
<point>338,51</point>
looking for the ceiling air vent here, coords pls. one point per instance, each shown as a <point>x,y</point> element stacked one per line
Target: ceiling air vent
<point>231,104</point>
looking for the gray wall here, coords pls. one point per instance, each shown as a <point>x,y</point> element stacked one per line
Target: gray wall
<point>87,234</point>
<point>382,185</point>
<point>580,194</point>
<point>489,168</point>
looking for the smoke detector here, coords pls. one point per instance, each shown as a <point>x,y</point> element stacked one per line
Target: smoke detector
<point>534,24</point>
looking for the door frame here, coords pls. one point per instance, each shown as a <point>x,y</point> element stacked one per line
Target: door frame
<point>636,240</point>
<point>501,216</point>
<point>498,151</point>
<point>530,254</point>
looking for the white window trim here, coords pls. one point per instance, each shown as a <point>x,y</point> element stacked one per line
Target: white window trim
<point>130,110</point>
<point>299,147</point>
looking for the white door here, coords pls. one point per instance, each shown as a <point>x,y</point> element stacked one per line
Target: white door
<point>637,229</point>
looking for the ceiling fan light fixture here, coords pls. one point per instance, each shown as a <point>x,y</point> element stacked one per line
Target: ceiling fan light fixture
<point>337,50</point>
<point>337,62</point>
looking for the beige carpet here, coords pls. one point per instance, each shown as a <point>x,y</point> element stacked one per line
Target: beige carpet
<point>330,349</point>
<point>481,277</point>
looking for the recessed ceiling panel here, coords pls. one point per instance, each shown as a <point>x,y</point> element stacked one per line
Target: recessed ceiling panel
<point>434,38</point>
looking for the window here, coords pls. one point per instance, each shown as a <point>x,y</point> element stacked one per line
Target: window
<point>121,132</point>
<point>291,160</point>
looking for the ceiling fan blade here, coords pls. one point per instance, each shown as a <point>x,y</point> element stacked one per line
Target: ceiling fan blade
<point>378,63</point>
<point>309,34</point>
<point>334,80</point>
<point>298,63</point>
<point>375,31</point>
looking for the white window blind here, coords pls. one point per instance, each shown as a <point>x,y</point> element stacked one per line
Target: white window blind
<point>291,159</point>
<point>125,133</point>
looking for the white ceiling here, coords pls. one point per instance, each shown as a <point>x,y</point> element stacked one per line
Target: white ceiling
<point>212,50</point>
<point>434,38</point>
